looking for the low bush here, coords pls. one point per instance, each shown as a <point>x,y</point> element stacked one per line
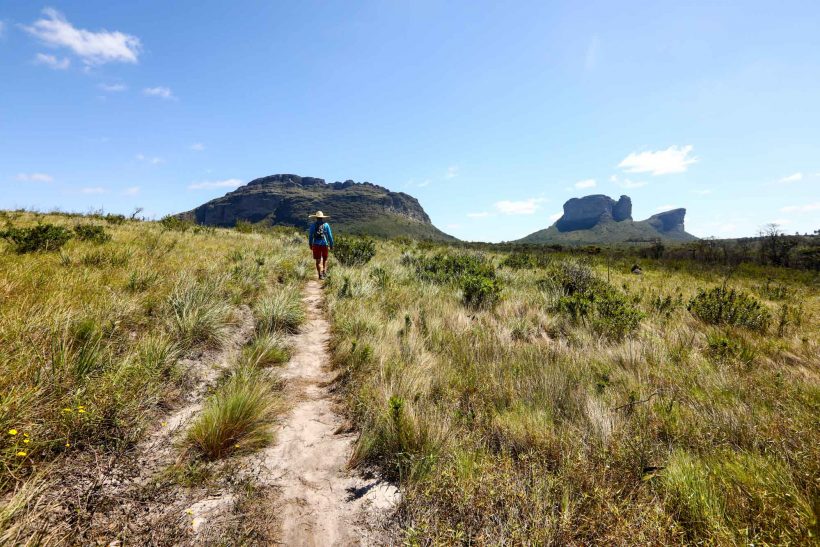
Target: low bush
<point>354,251</point>
<point>115,220</point>
<point>43,237</point>
<point>720,306</point>
<point>173,223</point>
<point>523,260</point>
<point>480,292</point>
<point>446,267</point>
<point>91,233</point>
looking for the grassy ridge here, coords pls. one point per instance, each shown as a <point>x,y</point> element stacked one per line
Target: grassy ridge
<point>590,405</point>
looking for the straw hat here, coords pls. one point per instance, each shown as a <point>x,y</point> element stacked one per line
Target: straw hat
<point>319,214</point>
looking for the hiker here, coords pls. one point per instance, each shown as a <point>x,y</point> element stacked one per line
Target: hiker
<point>320,240</point>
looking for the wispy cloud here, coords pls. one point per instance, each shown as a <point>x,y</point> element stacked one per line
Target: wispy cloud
<point>94,48</point>
<point>702,192</point>
<point>809,207</point>
<point>627,183</point>
<point>159,91</point>
<point>675,159</point>
<point>52,61</point>
<point>586,183</point>
<point>197,147</point>
<point>131,191</point>
<point>524,207</point>
<point>35,177</point>
<point>662,208</point>
<point>794,177</point>
<point>113,88</point>
<point>452,172</point>
<point>227,183</point>
<point>452,226</point>
<point>482,214</point>
<point>153,161</point>
<point>556,216</point>
<point>92,190</point>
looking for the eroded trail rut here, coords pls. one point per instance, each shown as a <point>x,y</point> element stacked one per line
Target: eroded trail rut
<point>321,502</point>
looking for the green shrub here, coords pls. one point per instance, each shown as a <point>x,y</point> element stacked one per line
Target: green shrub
<point>116,220</point>
<point>354,251</point>
<point>614,317</point>
<point>525,260</point>
<point>173,223</point>
<point>572,276</point>
<point>720,306</point>
<point>243,227</point>
<point>91,233</point>
<point>446,267</point>
<point>480,292</point>
<point>43,237</point>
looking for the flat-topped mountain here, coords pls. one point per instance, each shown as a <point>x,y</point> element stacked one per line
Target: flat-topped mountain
<point>287,200</point>
<point>601,219</point>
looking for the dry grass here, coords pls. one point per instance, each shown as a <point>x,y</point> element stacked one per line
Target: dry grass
<point>551,419</point>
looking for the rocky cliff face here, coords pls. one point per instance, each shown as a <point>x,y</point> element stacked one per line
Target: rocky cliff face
<point>287,200</point>
<point>601,219</point>
<point>584,213</point>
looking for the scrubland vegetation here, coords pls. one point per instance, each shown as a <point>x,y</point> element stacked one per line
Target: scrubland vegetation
<point>542,398</point>
<point>517,398</point>
<point>101,319</point>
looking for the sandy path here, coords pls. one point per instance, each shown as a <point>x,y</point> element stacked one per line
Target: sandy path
<point>321,501</point>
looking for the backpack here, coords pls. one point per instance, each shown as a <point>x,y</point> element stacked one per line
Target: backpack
<point>319,232</point>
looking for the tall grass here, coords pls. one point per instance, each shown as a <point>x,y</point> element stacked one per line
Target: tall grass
<point>280,311</point>
<point>236,417</point>
<point>589,406</point>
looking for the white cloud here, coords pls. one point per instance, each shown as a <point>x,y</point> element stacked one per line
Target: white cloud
<point>662,208</point>
<point>92,190</point>
<point>586,183</point>
<point>35,177</point>
<point>131,191</point>
<point>704,192</point>
<point>159,91</point>
<point>795,177</point>
<point>52,61</point>
<point>556,216</point>
<point>452,172</point>
<point>780,221</point>
<point>228,183</point>
<point>113,88</point>
<point>482,214</point>
<point>801,208</point>
<point>524,207</point>
<point>674,159</point>
<point>197,147</point>
<point>153,161</point>
<point>94,48</point>
<point>453,226</point>
<point>424,183</point>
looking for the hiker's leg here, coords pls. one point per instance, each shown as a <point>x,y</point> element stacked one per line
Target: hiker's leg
<point>324,264</point>
<point>319,267</point>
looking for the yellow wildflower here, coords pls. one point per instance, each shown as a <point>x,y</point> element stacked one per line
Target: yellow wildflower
<point>12,432</point>
<point>67,410</point>
<point>81,410</point>
<point>68,445</point>
<point>21,453</point>
<point>25,434</point>
<point>26,441</point>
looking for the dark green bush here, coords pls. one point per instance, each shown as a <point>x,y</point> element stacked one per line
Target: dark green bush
<point>614,317</point>
<point>524,260</point>
<point>354,251</point>
<point>720,306</point>
<point>243,227</point>
<point>480,292</point>
<point>114,219</point>
<point>574,277</point>
<point>91,233</point>
<point>445,267</point>
<point>173,223</point>
<point>43,237</point>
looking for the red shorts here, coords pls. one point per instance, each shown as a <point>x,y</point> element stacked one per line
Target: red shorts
<point>319,251</point>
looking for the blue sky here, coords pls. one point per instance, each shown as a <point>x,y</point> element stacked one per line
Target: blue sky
<point>491,114</point>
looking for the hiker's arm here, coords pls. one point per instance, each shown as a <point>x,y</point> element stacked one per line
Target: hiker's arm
<point>310,235</point>
<point>329,235</point>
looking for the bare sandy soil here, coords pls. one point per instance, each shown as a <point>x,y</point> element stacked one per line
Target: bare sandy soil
<point>321,501</point>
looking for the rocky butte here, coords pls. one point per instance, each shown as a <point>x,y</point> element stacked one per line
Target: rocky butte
<point>287,200</point>
<point>600,219</point>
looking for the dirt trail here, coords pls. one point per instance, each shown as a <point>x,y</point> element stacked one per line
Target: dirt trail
<point>321,502</point>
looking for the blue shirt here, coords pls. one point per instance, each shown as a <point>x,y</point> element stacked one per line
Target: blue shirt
<point>328,239</point>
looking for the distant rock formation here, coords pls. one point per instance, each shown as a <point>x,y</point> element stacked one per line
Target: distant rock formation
<point>287,200</point>
<point>586,212</point>
<point>601,219</point>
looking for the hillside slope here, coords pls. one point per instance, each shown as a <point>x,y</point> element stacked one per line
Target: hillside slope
<point>287,200</point>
